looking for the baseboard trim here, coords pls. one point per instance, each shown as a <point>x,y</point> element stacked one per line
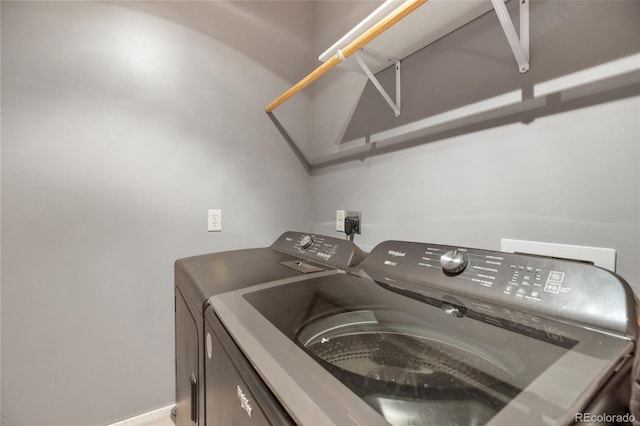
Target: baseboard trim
<point>146,417</point>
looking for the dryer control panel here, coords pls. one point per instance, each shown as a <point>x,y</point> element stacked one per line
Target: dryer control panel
<point>564,289</point>
<point>339,253</point>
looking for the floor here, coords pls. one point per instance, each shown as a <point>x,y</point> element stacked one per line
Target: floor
<point>161,421</point>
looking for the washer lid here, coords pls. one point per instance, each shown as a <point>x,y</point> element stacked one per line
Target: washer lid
<point>345,349</point>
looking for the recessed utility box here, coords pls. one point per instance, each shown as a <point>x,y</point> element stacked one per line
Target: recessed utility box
<point>602,257</point>
<point>358,218</point>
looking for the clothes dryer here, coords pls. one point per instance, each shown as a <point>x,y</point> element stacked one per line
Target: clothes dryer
<point>197,278</point>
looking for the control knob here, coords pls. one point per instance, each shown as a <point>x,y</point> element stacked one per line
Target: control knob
<point>306,241</point>
<point>454,261</point>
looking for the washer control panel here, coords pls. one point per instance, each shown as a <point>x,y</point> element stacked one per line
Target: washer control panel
<point>570,290</point>
<point>327,250</point>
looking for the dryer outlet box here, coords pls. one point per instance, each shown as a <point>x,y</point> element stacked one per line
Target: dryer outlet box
<point>602,257</point>
<point>358,219</point>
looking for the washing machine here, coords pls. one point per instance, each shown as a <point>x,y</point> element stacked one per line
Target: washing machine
<point>425,334</point>
<point>197,278</point>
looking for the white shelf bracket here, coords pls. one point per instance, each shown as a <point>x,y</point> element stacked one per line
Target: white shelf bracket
<point>519,45</point>
<point>395,106</point>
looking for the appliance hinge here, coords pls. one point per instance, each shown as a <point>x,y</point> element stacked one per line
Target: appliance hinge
<point>621,362</point>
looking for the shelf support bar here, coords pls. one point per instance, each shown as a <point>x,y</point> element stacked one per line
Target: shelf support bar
<point>519,45</point>
<point>381,26</point>
<point>395,106</point>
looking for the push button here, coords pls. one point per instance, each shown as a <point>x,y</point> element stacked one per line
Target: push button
<point>552,288</point>
<point>556,277</point>
<point>553,334</point>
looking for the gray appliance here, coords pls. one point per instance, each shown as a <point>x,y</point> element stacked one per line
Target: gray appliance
<point>197,278</point>
<point>425,334</point>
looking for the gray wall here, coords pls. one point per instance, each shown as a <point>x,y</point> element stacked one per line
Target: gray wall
<point>122,123</point>
<point>563,167</point>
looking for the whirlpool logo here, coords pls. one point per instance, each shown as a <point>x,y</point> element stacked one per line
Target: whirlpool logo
<point>244,401</point>
<point>395,253</point>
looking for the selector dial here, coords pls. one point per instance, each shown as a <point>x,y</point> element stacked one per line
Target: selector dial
<point>306,241</point>
<point>454,261</point>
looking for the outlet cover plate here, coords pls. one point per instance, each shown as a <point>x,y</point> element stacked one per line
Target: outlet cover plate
<point>340,220</point>
<point>214,220</point>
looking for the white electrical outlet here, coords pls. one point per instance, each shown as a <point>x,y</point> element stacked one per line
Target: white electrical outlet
<point>340,220</point>
<point>214,220</point>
